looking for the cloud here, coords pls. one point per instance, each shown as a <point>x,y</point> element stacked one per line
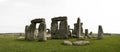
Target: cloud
<point>3,0</point>
<point>21,4</point>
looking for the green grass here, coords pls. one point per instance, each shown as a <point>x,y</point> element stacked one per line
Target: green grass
<point>10,44</point>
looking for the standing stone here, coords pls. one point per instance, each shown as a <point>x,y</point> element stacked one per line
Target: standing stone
<point>100,32</point>
<point>26,32</point>
<point>60,32</point>
<point>54,28</point>
<point>63,30</point>
<point>90,33</point>
<point>69,32</point>
<point>78,28</point>
<point>75,29</point>
<point>86,33</point>
<point>42,31</point>
<point>82,29</point>
<point>31,31</point>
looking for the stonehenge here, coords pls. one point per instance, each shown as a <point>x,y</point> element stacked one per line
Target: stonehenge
<point>59,30</point>
<point>78,29</point>
<point>30,30</point>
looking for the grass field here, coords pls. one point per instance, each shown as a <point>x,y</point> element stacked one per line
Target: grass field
<point>10,44</point>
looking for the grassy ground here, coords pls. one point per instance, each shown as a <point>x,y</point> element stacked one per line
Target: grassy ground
<point>10,44</point>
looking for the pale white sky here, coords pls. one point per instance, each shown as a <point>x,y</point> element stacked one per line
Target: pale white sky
<point>15,14</point>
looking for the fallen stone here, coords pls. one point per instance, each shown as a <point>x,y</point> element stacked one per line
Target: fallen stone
<point>81,43</point>
<point>66,42</point>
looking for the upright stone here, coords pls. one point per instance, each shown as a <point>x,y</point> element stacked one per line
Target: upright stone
<point>63,29</point>
<point>100,32</point>
<point>86,33</point>
<point>82,29</point>
<point>69,32</point>
<point>31,31</point>
<point>75,29</point>
<point>54,28</point>
<point>42,31</point>
<point>26,32</point>
<point>78,28</point>
<point>90,33</point>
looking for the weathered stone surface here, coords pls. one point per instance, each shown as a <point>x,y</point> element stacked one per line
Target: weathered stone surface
<point>31,32</point>
<point>61,18</point>
<point>75,29</point>
<point>54,28</point>
<point>61,31</point>
<point>69,32</point>
<point>39,20</point>
<point>42,32</point>
<point>81,43</point>
<point>91,36</point>
<point>66,42</point>
<point>82,29</point>
<point>78,28</point>
<point>100,32</point>
<point>26,32</point>
<point>86,34</point>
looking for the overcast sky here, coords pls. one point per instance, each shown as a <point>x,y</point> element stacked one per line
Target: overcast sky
<point>15,14</point>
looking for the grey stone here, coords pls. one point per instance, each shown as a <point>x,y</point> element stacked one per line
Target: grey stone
<point>82,29</point>
<point>75,29</point>
<point>30,31</point>
<point>100,32</point>
<point>69,32</point>
<point>26,32</point>
<point>78,28</point>
<point>81,43</point>
<point>60,32</point>
<point>86,34</point>
<point>90,33</point>
<point>42,32</point>
<point>39,20</point>
<point>66,42</point>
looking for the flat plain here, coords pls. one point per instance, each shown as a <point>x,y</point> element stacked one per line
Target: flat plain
<point>11,44</point>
